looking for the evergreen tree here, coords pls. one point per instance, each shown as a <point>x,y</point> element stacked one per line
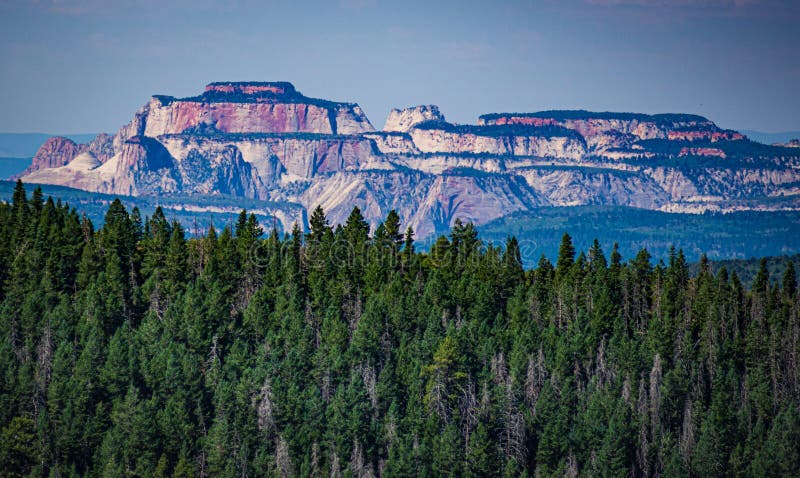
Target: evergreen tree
<point>566,256</point>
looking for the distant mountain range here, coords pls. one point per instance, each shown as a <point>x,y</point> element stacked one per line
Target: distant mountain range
<point>771,138</point>
<point>266,142</point>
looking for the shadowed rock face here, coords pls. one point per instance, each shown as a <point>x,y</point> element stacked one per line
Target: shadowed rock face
<point>267,141</point>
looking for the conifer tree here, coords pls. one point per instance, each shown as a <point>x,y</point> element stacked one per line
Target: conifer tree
<point>566,256</point>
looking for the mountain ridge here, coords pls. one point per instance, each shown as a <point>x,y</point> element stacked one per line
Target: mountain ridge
<point>268,141</point>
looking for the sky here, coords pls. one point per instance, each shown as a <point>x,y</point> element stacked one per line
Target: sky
<point>86,66</point>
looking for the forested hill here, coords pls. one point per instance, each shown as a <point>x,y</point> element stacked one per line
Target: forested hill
<point>132,351</point>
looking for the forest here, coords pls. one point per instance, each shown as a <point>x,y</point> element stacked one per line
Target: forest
<point>133,349</point>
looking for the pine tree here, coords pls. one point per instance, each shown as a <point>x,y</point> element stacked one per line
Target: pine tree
<point>392,225</point>
<point>319,225</point>
<point>789,280</point>
<point>566,256</point>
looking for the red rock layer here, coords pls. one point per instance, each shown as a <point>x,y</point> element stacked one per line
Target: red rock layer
<point>702,152</point>
<point>180,116</point>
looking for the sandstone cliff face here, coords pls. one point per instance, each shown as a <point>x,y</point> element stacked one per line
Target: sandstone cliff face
<point>587,125</point>
<point>269,142</point>
<point>54,153</point>
<point>177,117</point>
<point>439,163</point>
<point>430,204</point>
<point>374,192</point>
<point>393,143</point>
<point>79,173</point>
<point>142,167</point>
<point>403,120</point>
<point>299,156</point>
<point>245,108</point>
<point>593,126</point>
<point>712,135</point>
<point>58,151</point>
<point>745,182</point>
<point>477,198</point>
<point>676,184</point>
<point>431,140</point>
<point>101,147</point>
<point>220,170</point>
<point>584,186</point>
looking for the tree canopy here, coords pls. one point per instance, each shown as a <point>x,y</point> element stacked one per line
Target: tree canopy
<point>130,350</point>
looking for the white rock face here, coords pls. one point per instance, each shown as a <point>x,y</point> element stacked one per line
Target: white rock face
<point>674,183</point>
<point>80,172</point>
<point>350,119</point>
<point>84,162</point>
<point>637,128</point>
<point>303,157</point>
<point>374,192</point>
<point>428,203</point>
<point>584,186</point>
<point>478,198</point>
<point>393,143</point>
<point>403,120</point>
<point>439,163</point>
<point>442,141</point>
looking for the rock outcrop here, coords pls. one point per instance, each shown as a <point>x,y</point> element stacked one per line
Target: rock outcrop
<point>440,137</point>
<point>250,108</point>
<point>401,121</point>
<point>604,131</point>
<point>59,151</point>
<point>55,152</point>
<point>267,141</point>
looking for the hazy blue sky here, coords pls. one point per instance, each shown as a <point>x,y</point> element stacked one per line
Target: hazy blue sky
<point>86,66</point>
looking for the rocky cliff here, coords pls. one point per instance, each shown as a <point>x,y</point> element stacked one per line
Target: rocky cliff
<point>402,121</point>
<point>607,130</point>
<point>55,152</point>
<point>267,141</point>
<point>552,142</point>
<point>58,151</point>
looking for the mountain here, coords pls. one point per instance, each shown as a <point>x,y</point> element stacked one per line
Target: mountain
<point>266,141</point>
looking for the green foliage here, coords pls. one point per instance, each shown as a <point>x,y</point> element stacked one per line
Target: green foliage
<point>133,350</point>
